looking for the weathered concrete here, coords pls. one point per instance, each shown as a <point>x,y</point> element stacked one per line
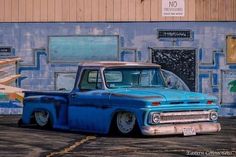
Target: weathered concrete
<point>30,141</point>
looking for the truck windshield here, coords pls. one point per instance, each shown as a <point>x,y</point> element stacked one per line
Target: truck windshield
<point>133,77</point>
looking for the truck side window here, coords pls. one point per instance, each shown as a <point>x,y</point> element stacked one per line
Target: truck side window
<point>90,80</point>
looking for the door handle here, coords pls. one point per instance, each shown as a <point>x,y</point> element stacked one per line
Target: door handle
<point>73,95</point>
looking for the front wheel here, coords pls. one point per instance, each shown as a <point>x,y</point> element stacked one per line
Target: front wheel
<point>126,123</point>
<point>42,119</point>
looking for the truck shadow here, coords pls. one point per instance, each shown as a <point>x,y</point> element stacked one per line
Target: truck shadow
<point>12,121</point>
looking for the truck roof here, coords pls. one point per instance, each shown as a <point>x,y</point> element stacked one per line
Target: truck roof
<point>117,64</point>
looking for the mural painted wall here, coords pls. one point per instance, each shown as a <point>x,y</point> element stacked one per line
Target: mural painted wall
<point>10,96</point>
<point>181,61</point>
<point>213,74</point>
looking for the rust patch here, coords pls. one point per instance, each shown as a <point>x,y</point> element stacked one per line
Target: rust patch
<point>200,127</point>
<point>175,129</point>
<point>138,97</point>
<point>155,131</point>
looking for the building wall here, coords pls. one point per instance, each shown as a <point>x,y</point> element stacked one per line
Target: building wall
<point>111,10</point>
<point>213,74</point>
<point>215,10</point>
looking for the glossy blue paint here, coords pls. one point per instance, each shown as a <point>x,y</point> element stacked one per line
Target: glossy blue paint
<point>93,110</point>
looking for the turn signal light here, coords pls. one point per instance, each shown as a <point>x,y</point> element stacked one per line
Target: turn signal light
<point>155,103</point>
<point>209,102</point>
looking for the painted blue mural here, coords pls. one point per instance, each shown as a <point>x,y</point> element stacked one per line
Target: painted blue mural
<point>130,55</point>
<point>80,48</point>
<point>30,41</point>
<point>10,107</point>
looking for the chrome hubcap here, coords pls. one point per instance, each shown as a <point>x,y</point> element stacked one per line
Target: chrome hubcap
<point>125,122</point>
<point>41,118</point>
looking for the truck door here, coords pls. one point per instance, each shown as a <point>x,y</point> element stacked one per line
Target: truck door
<point>89,106</point>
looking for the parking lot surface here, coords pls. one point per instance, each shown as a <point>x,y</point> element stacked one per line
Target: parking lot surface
<point>31,141</point>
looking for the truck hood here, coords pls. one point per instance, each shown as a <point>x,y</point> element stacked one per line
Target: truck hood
<point>166,94</point>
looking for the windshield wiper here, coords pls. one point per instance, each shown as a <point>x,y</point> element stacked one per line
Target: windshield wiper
<point>150,86</point>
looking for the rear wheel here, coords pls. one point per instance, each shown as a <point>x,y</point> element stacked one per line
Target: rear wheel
<point>19,123</point>
<point>42,119</point>
<point>126,123</point>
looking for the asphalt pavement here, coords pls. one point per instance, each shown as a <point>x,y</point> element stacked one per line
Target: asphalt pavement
<point>33,142</point>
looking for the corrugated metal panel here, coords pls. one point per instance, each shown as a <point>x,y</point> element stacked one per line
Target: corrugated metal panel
<point>215,10</point>
<point>112,10</point>
<point>29,10</point>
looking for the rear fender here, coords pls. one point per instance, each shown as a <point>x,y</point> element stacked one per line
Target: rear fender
<point>30,108</point>
<point>55,105</point>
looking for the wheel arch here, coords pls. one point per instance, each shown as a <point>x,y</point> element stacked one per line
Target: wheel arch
<point>30,108</point>
<point>115,112</point>
<point>52,117</point>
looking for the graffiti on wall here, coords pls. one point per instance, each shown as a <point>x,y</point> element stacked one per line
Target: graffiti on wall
<point>228,92</point>
<point>231,49</point>
<point>35,66</point>
<point>182,62</point>
<point>216,77</point>
<point>10,96</point>
<point>232,86</point>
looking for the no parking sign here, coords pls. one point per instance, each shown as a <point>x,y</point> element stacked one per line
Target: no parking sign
<point>173,7</point>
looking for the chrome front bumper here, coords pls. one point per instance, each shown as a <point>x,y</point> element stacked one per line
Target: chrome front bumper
<point>173,129</point>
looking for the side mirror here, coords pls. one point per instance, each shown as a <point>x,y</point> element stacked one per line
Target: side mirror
<point>168,83</point>
<point>62,89</point>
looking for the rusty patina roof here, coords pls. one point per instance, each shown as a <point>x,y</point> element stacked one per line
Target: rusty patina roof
<point>117,64</point>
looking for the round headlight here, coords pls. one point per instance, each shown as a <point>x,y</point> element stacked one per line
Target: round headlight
<point>214,115</point>
<point>156,117</point>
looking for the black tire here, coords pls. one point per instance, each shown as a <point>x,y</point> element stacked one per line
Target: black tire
<point>19,123</point>
<point>44,123</point>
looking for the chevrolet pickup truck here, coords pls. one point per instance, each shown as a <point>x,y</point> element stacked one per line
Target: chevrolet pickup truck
<point>122,97</point>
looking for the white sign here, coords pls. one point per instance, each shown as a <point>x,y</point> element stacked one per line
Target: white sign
<point>173,7</point>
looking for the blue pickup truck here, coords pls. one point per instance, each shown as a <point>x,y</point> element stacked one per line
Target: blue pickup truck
<point>125,98</point>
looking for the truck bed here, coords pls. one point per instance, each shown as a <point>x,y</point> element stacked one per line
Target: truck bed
<point>64,94</point>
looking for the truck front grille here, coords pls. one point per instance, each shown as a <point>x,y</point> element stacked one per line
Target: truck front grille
<point>180,117</point>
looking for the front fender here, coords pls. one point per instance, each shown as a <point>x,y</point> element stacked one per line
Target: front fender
<point>139,114</point>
